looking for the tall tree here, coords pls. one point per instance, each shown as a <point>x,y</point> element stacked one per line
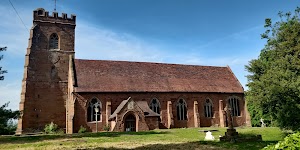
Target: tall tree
<point>1,57</point>
<point>274,80</point>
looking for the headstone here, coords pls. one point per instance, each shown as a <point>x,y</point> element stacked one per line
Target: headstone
<point>209,136</point>
<point>229,117</point>
<point>231,134</point>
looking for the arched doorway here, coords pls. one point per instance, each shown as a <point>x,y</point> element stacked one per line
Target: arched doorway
<point>130,123</point>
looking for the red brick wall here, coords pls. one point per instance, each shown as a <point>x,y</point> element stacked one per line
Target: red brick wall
<point>152,122</point>
<point>44,85</point>
<point>117,98</point>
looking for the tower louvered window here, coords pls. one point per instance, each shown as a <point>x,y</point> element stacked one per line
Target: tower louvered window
<point>53,42</point>
<point>181,110</point>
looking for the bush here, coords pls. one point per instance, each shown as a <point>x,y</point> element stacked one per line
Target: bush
<point>292,141</point>
<point>51,128</point>
<point>106,128</point>
<point>82,129</point>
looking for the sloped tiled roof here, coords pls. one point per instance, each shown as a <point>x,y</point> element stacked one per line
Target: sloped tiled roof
<point>147,111</point>
<point>142,104</point>
<point>119,108</point>
<point>124,76</point>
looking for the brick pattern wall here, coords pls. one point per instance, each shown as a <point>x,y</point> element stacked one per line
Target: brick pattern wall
<point>116,98</point>
<point>152,122</point>
<point>45,85</point>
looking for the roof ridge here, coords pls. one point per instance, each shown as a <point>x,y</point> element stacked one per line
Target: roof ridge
<point>165,63</point>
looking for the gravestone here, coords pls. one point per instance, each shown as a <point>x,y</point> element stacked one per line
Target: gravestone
<point>231,134</point>
<point>209,136</point>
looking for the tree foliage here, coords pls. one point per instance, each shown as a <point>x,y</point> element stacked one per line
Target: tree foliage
<point>291,141</point>
<point>7,125</point>
<point>6,116</point>
<point>274,80</point>
<point>1,57</point>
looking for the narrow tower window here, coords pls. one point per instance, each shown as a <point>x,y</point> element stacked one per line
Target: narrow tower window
<point>181,110</point>
<point>91,113</point>
<point>208,109</point>
<point>155,106</point>
<point>53,42</point>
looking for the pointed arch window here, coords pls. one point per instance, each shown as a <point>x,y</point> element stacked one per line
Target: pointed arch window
<point>154,105</point>
<point>208,109</point>
<point>234,104</point>
<point>53,42</point>
<point>91,113</point>
<point>181,110</point>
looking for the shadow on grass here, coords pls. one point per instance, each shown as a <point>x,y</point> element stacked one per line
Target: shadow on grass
<point>207,145</point>
<point>41,137</point>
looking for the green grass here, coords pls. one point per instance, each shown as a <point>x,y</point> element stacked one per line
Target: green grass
<point>165,139</point>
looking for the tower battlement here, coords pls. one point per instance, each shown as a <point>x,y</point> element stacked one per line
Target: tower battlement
<point>40,15</point>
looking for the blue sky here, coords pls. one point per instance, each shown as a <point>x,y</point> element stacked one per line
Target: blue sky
<point>210,32</point>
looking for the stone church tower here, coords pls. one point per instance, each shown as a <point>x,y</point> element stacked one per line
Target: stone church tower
<point>45,81</point>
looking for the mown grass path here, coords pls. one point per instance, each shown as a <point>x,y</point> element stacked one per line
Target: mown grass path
<point>164,139</point>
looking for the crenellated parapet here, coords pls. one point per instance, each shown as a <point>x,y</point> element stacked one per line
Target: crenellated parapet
<point>40,15</point>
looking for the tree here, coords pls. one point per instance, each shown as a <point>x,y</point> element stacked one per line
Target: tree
<point>274,80</point>
<point>1,57</point>
<point>6,116</point>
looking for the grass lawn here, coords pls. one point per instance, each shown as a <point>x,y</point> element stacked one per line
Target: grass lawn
<point>165,139</point>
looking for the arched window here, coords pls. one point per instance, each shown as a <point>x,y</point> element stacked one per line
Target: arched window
<point>53,42</point>
<point>234,104</point>
<point>92,115</point>
<point>154,105</point>
<point>181,110</point>
<point>208,111</point>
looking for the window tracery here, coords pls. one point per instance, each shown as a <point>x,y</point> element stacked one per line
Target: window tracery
<point>91,111</point>
<point>181,110</point>
<point>208,109</point>
<point>234,104</point>
<point>154,105</point>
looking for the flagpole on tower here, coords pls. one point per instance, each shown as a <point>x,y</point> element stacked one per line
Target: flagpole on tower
<point>54,5</point>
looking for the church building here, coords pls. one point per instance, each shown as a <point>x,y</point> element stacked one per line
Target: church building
<point>117,95</point>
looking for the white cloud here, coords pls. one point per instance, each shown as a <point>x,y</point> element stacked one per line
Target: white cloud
<point>99,43</point>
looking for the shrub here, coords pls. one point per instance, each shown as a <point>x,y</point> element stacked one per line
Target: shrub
<point>60,131</point>
<point>106,128</point>
<point>82,129</point>
<point>292,141</point>
<point>51,128</point>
